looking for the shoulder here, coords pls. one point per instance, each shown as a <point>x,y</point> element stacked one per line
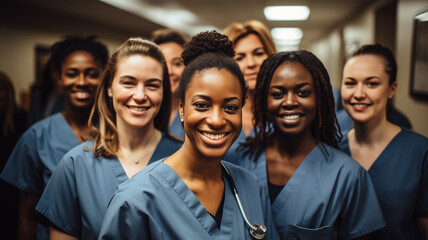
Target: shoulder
<point>240,174</point>
<point>169,144</point>
<point>340,161</point>
<point>79,154</point>
<point>412,139</point>
<point>141,181</point>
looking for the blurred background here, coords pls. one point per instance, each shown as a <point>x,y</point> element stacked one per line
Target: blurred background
<point>332,29</point>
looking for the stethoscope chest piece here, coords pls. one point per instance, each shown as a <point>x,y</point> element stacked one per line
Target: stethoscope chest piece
<point>259,233</point>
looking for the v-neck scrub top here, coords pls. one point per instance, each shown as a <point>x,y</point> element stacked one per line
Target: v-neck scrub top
<point>400,178</point>
<point>36,156</point>
<point>78,193</point>
<point>157,204</point>
<point>330,196</point>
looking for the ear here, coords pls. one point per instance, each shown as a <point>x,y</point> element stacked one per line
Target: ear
<point>392,90</point>
<point>181,108</point>
<point>110,94</point>
<point>57,77</point>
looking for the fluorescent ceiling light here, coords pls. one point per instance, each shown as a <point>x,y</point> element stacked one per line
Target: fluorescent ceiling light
<point>286,33</point>
<point>287,42</point>
<point>286,13</point>
<point>170,15</point>
<point>423,17</point>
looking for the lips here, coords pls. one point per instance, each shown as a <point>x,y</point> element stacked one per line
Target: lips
<point>214,138</point>
<point>82,95</point>
<point>138,109</point>
<point>359,106</point>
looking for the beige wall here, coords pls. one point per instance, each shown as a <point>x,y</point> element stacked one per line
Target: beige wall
<point>17,48</point>
<point>417,111</point>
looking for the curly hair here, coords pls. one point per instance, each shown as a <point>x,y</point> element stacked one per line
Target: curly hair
<point>72,43</point>
<point>324,128</point>
<point>209,50</point>
<point>104,131</point>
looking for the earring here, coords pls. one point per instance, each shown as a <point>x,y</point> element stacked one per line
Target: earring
<point>181,119</point>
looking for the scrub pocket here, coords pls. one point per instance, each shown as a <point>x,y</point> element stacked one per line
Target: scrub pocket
<point>302,233</point>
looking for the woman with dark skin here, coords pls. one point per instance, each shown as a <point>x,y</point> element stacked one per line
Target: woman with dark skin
<point>316,191</point>
<point>78,63</point>
<point>187,195</point>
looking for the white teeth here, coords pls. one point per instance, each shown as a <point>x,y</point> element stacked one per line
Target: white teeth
<point>360,105</point>
<point>139,108</point>
<point>214,136</point>
<point>82,94</point>
<point>291,117</point>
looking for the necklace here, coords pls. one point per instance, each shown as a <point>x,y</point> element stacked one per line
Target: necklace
<point>135,160</point>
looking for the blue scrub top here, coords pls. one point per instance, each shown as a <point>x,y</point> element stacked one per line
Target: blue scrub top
<point>157,204</point>
<point>78,193</point>
<point>400,178</point>
<point>36,156</point>
<point>176,127</point>
<point>329,196</point>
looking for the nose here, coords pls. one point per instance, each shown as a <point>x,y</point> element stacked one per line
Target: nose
<point>290,101</point>
<point>359,92</point>
<point>81,79</point>
<point>250,62</point>
<point>139,94</point>
<point>215,118</point>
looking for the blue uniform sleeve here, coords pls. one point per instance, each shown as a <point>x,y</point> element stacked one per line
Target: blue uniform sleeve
<point>24,168</point>
<point>124,221</point>
<point>421,209</point>
<point>59,207</point>
<point>362,213</point>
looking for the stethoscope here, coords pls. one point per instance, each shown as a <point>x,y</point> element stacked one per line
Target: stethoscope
<point>257,231</point>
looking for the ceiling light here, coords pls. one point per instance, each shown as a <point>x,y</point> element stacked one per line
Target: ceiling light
<point>423,17</point>
<point>286,33</point>
<point>286,13</point>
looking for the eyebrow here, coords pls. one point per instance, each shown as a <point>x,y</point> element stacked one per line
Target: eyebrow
<point>209,98</point>
<point>298,86</point>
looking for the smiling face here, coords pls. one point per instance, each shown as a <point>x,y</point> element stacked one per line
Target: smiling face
<point>79,79</point>
<point>250,54</point>
<point>172,52</point>
<point>291,99</point>
<point>365,88</point>
<point>137,91</point>
<point>212,112</point>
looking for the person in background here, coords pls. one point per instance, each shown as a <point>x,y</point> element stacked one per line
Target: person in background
<point>12,126</point>
<point>189,195</point>
<point>132,105</point>
<point>47,97</point>
<point>172,44</point>
<point>316,191</point>
<point>253,44</point>
<point>78,62</point>
<point>396,158</point>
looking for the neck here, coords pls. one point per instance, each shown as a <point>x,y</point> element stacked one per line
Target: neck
<point>190,165</point>
<point>371,132</point>
<point>174,109</point>
<point>291,146</point>
<point>77,116</point>
<point>136,138</point>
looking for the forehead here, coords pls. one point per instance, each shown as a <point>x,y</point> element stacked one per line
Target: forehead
<point>171,48</point>
<point>291,73</point>
<point>248,43</point>
<point>215,84</point>
<point>365,64</point>
<point>139,66</point>
<point>79,57</point>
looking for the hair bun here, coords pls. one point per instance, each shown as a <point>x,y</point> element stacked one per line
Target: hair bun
<point>207,42</point>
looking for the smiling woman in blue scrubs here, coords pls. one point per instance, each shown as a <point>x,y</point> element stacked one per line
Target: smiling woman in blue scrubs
<point>77,63</point>
<point>316,191</point>
<point>188,195</point>
<point>132,105</point>
<point>396,158</point>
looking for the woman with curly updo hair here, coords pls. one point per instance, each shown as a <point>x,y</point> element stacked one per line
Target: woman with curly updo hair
<point>316,191</point>
<point>129,124</point>
<point>188,195</point>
